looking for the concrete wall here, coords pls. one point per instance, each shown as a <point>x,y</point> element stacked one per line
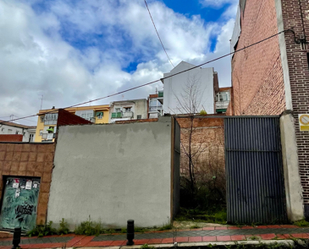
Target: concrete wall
<point>176,98</point>
<point>293,189</point>
<point>113,173</point>
<point>295,16</point>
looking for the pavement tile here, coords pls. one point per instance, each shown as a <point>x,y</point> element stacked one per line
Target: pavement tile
<point>220,228</point>
<point>182,239</point>
<point>274,226</point>
<point>84,241</point>
<point>283,236</point>
<point>168,241</point>
<point>155,241</point>
<point>247,227</point>
<point>195,239</point>
<point>301,235</point>
<point>268,236</point>
<point>208,228</point>
<point>233,228</point>
<point>223,238</point>
<point>118,243</point>
<point>141,241</point>
<point>238,237</point>
<point>289,226</point>
<point>73,241</point>
<point>99,243</point>
<point>209,238</point>
<point>45,245</point>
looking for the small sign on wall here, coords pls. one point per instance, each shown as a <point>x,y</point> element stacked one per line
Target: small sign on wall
<point>303,122</point>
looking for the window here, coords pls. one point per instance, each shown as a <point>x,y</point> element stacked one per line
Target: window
<point>127,109</point>
<point>41,132</point>
<point>118,109</point>
<point>139,116</point>
<point>86,114</point>
<point>50,119</point>
<point>31,136</point>
<point>10,131</point>
<point>99,115</point>
<point>16,132</point>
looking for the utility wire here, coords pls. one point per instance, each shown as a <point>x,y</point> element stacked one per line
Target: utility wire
<point>158,34</point>
<point>152,82</point>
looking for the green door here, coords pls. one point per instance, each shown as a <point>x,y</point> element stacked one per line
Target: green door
<point>19,203</point>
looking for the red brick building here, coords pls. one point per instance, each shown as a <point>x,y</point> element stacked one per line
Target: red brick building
<point>272,77</point>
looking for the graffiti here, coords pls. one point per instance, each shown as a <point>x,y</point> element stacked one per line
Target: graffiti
<point>24,209</point>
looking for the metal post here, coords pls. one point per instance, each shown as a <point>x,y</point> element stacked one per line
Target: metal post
<point>130,232</point>
<point>16,238</point>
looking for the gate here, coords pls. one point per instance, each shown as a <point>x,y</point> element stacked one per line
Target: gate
<point>254,170</point>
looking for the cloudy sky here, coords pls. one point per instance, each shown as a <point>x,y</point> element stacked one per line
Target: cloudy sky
<point>70,51</point>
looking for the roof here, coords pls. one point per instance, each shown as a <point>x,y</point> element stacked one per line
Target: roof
<point>74,109</point>
<point>223,89</point>
<point>2,122</point>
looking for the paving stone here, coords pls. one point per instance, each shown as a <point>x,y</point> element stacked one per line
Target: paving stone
<point>223,238</point>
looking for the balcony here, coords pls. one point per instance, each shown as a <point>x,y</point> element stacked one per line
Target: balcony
<point>127,114</point>
<point>116,114</point>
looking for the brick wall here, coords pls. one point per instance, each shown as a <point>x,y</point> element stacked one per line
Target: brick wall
<point>299,80</point>
<point>208,144</point>
<point>32,160</point>
<point>257,75</point>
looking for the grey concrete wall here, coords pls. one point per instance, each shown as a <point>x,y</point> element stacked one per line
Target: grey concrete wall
<point>113,173</point>
<point>293,188</point>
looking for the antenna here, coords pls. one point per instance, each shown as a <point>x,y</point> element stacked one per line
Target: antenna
<point>41,102</point>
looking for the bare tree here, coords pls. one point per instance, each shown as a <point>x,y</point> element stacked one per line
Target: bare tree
<point>190,103</point>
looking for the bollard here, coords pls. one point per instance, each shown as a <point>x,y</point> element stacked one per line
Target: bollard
<point>16,238</point>
<point>130,232</point>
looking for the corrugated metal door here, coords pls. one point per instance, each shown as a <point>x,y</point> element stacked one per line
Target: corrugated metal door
<point>254,171</point>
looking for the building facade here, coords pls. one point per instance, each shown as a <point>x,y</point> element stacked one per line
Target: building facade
<point>47,119</point>
<point>223,97</point>
<point>272,77</point>
<point>11,128</point>
<point>191,91</point>
<point>128,110</point>
<point>155,105</point>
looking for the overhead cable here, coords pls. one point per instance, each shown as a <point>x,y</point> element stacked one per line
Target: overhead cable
<point>158,34</point>
<point>152,82</point>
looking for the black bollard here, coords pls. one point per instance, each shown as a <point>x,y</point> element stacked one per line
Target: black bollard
<point>16,238</point>
<point>130,232</point>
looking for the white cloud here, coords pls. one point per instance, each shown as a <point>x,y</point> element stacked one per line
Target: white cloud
<point>38,55</point>
<point>217,3</point>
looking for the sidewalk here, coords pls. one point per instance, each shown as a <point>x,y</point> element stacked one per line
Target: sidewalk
<point>190,236</point>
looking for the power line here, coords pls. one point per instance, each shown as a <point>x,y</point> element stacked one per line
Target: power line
<point>152,82</point>
<point>158,34</point>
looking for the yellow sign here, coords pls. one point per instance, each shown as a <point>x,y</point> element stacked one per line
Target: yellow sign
<point>303,122</point>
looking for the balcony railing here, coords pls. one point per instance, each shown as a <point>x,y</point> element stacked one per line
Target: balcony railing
<point>222,104</point>
<point>128,114</point>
